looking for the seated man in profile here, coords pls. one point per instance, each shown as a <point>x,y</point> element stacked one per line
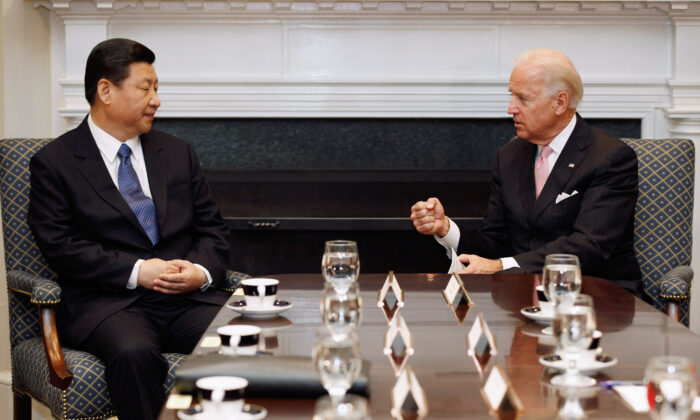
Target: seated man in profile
<point>125,218</point>
<point>560,186</point>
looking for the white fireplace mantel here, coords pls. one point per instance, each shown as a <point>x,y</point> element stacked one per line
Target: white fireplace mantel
<point>386,58</point>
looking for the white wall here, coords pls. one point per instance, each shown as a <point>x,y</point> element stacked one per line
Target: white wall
<point>25,111</point>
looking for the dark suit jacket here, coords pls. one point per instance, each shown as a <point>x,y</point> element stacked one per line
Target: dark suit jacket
<point>596,224</point>
<point>91,238</point>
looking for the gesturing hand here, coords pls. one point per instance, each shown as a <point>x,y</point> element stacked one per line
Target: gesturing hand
<point>429,217</point>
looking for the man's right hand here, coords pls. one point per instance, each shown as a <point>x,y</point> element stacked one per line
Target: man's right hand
<point>151,269</point>
<point>429,218</point>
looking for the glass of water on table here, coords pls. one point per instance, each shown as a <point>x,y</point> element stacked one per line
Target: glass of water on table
<point>340,264</point>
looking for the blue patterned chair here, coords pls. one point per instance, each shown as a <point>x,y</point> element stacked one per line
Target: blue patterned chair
<point>70,382</point>
<point>663,221</point>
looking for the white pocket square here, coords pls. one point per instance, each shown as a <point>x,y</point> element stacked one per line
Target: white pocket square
<point>563,196</point>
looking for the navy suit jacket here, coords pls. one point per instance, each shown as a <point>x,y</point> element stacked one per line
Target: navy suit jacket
<point>596,223</point>
<point>91,238</point>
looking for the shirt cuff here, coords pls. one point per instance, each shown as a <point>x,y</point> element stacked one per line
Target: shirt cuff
<point>209,281</point>
<point>451,240</point>
<point>509,262</point>
<point>133,278</point>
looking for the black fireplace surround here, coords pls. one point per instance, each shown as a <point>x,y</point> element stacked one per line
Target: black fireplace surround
<point>285,186</point>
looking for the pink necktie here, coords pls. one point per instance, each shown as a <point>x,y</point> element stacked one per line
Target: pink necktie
<point>542,170</point>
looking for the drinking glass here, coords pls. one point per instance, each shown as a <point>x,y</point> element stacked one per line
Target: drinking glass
<point>341,312</point>
<point>671,387</point>
<point>561,277</point>
<point>574,324</point>
<point>340,264</point>
<point>349,407</point>
<point>337,360</point>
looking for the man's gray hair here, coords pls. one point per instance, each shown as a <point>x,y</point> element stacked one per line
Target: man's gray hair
<point>559,72</point>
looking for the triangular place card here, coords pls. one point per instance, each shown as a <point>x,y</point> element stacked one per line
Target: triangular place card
<point>457,298</point>
<point>390,297</point>
<point>481,344</point>
<point>408,400</point>
<point>500,396</point>
<point>398,343</point>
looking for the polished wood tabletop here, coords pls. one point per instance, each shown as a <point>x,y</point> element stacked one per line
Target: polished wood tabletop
<point>632,332</point>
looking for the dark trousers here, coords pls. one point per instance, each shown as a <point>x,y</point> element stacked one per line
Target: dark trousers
<point>131,343</point>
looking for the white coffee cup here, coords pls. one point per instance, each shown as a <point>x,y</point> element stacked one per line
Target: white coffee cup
<point>547,308</point>
<point>259,292</point>
<point>221,396</point>
<point>239,339</point>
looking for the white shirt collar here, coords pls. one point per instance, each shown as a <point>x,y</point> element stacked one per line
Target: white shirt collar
<point>557,144</point>
<point>109,145</point>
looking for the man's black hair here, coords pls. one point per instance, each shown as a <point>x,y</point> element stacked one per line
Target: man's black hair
<point>110,60</point>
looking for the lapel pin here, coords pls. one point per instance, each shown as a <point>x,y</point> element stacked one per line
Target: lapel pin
<point>571,165</point>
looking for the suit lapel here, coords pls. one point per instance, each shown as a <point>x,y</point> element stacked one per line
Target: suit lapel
<point>525,165</point>
<point>157,168</point>
<point>570,158</point>
<point>92,167</point>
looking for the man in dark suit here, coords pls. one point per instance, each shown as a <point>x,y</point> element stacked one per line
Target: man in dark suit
<point>560,186</point>
<point>125,218</point>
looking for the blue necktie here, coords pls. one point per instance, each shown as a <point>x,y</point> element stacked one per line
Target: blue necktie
<point>130,189</point>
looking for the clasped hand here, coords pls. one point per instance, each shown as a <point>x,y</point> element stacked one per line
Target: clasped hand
<point>170,277</point>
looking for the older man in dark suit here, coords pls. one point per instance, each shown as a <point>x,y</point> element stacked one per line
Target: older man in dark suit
<point>125,218</point>
<point>560,186</point>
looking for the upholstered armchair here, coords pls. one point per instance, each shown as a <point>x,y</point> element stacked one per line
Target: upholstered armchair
<point>70,382</point>
<point>663,221</point>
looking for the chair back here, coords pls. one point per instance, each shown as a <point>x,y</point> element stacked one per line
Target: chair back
<point>663,218</point>
<point>21,250</point>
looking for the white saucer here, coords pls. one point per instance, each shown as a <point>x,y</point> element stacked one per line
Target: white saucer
<point>249,412</point>
<point>535,314</point>
<point>259,313</point>
<point>587,367</point>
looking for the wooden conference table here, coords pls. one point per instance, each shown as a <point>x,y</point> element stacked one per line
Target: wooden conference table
<point>632,332</point>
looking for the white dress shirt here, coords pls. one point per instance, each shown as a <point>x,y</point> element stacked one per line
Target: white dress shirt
<point>109,146</point>
<point>451,240</point>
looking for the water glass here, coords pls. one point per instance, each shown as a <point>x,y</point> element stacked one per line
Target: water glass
<point>561,277</point>
<point>340,264</point>
<point>337,360</point>
<point>349,407</point>
<point>573,326</point>
<point>341,312</point>
<point>671,387</point>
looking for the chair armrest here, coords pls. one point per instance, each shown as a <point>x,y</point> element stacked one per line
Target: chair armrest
<point>45,293</point>
<point>42,291</point>
<point>232,279</point>
<point>675,285</point>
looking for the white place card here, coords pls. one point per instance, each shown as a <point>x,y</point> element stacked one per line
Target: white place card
<point>500,396</point>
<point>481,344</point>
<point>457,298</point>
<point>456,266</point>
<point>398,343</point>
<point>178,402</point>
<point>635,397</point>
<point>390,297</point>
<point>211,341</point>
<point>408,398</point>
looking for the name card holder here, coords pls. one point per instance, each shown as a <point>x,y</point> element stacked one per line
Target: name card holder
<point>500,396</point>
<point>408,400</point>
<point>481,344</point>
<point>398,343</point>
<point>457,298</point>
<point>390,297</point>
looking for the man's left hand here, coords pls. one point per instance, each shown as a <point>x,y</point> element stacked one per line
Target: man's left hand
<point>480,265</point>
<point>190,278</point>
